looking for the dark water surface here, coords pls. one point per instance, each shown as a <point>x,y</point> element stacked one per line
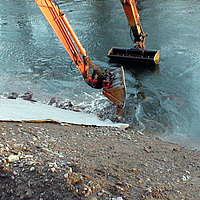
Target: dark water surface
<point>32,58</point>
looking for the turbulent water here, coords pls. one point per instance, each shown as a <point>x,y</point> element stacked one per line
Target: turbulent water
<point>33,59</point>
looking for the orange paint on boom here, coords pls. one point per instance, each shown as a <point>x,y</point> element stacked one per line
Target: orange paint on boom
<point>64,31</point>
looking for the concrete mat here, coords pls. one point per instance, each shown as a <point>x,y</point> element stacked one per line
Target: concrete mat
<point>22,110</point>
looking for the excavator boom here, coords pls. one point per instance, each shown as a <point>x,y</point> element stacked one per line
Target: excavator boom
<point>64,31</point>
<point>112,81</point>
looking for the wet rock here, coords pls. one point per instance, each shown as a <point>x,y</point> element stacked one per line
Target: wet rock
<point>66,105</point>
<point>13,95</point>
<point>27,96</point>
<point>52,101</point>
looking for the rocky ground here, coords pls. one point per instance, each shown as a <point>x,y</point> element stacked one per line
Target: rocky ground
<point>47,161</point>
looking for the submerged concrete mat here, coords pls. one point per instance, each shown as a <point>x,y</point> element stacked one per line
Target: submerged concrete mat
<point>22,110</point>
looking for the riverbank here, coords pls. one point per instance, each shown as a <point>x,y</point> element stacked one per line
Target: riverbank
<point>57,161</point>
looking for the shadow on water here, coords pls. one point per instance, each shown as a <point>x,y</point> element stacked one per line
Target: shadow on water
<point>138,67</point>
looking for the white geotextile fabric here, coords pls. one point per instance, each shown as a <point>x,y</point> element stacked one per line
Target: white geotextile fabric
<point>22,110</point>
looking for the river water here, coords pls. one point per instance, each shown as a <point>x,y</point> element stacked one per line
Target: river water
<point>32,58</point>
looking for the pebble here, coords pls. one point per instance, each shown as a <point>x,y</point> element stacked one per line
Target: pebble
<point>70,170</point>
<point>32,169</point>
<point>141,181</point>
<point>28,156</point>
<point>149,190</point>
<point>53,169</point>
<point>147,149</point>
<point>28,194</point>
<point>185,177</point>
<point>118,198</point>
<point>66,175</point>
<point>13,158</point>
<point>7,149</point>
<point>135,171</point>
<point>89,192</point>
<point>15,173</point>
<point>141,133</point>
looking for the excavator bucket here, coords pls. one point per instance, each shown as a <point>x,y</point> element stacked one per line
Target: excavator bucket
<point>117,91</point>
<point>121,55</point>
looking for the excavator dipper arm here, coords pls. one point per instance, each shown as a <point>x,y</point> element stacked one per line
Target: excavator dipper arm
<point>108,80</point>
<point>134,22</point>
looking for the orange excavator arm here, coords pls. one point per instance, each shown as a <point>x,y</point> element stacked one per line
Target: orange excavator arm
<point>134,22</point>
<point>112,81</point>
<point>65,33</point>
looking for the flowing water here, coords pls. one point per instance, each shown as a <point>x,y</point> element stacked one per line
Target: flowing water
<point>32,58</point>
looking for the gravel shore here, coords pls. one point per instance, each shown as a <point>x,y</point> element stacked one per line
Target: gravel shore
<point>48,161</point>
